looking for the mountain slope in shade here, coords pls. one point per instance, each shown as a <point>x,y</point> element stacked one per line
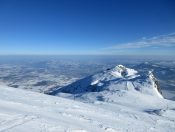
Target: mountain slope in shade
<point>112,85</point>
<point>25,111</point>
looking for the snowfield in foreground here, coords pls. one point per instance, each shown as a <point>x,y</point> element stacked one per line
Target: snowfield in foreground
<point>25,111</point>
<point>119,100</point>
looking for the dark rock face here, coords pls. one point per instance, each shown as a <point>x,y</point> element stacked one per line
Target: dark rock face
<point>156,83</point>
<point>158,86</point>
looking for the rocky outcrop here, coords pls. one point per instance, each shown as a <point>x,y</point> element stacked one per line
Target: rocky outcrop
<point>156,84</point>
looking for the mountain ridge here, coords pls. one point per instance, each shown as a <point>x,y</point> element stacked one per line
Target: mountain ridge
<point>125,101</point>
<point>119,80</point>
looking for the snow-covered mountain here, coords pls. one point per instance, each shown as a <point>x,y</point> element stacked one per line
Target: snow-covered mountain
<point>122,99</point>
<point>42,73</point>
<point>112,85</point>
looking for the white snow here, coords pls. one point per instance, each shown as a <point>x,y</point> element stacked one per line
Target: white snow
<point>27,111</point>
<point>151,76</point>
<point>122,105</point>
<point>119,69</point>
<point>95,82</point>
<point>104,85</point>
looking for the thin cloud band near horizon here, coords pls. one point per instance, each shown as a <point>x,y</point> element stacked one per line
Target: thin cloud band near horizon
<point>157,41</point>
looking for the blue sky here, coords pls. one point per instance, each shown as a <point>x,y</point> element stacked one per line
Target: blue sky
<point>124,27</point>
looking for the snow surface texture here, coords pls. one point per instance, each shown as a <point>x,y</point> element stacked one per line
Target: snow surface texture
<point>122,102</point>
<point>25,111</point>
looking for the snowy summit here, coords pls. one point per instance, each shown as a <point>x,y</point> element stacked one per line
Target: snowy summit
<point>122,71</point>
<point>118,99</point>
<point>112,85</point>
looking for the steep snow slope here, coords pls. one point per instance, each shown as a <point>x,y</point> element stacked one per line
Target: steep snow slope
<point>25,111</point>
<point>112,85</point>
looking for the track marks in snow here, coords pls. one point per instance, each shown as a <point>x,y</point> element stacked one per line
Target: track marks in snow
<point>16,121</point>
<point>90,121</point>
